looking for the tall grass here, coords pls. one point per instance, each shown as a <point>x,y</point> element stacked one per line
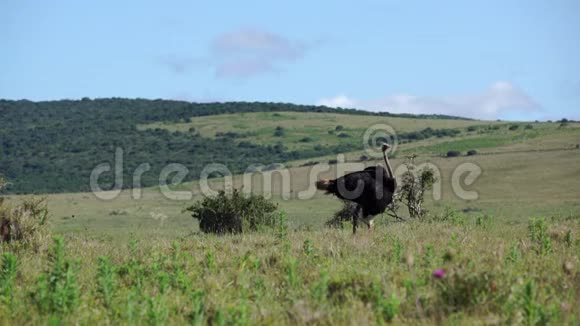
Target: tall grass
<point>406,273</point>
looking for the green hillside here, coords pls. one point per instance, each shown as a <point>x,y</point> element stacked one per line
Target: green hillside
<point>54,146</point>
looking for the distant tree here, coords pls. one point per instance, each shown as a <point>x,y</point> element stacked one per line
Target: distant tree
<point>279,132</point>
<point>3,183</point>
<point>310,163</point>
<point>453,153</point>
<point>339,128</point>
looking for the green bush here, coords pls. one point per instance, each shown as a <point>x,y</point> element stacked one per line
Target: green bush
<point>471,152</point>
<point>514,127</point>
<point>234,213</point>
<point>279,132</point>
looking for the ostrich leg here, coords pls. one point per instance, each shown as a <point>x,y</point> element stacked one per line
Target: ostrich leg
<point>368,220</point>
<point>355,217</point>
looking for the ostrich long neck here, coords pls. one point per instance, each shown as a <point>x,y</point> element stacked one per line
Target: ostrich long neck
<point>389,170</point>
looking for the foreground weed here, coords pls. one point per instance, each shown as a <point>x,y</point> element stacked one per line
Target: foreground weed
<point>514,254</point>
<point>569,239</point>
<point>157,311</point>
<point>131,307</point>
<point>538,233</point>
<point>429,255</point>
<point>240,315</point>
<point>106,281</point>
<point>387,308</point>
<point>308,248</point>
<point>398,250</point>
<point>534,313</point>
<point>163,281</point>
<point>197,316</point>
<point>484,221</point>
<point>210,262</point>
<point>292,273</point>
<point>320,288</point>
<point>281,229</point>
<point>7,277</point>
<point>57,290</point>
<point>218,318</point>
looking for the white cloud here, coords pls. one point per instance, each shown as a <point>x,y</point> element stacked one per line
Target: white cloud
<point>499,98</point>
<point>340,101</point>
<point>242,53</point>
<point>249,51</point>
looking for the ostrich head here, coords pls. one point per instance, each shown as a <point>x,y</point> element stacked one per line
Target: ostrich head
<point>385,147</point>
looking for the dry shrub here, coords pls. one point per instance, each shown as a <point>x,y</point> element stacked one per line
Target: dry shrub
<point>344,215</point>
<point>24,224</point>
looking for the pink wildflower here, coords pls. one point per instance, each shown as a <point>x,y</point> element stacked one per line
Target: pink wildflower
<point>439,273</point>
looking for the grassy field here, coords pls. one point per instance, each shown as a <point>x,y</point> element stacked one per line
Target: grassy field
<point>508,257</point>
<point>405,273</point>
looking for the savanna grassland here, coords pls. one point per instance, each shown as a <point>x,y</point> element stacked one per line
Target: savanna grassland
<point>510,256</point>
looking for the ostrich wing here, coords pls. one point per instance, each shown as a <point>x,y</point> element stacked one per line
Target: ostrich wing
<point>354,185</point>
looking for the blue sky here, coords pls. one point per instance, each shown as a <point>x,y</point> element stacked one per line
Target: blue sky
<point>514,60</point>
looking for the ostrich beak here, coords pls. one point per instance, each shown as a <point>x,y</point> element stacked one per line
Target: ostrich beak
<point>385,147</point>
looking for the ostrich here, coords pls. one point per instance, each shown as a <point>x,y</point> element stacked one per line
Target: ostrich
<point>372,189</point>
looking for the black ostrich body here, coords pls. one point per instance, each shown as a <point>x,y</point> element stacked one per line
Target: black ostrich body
<point>372,189</point>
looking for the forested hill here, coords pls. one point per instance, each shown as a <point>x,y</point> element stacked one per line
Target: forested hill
<point>53,146</point>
